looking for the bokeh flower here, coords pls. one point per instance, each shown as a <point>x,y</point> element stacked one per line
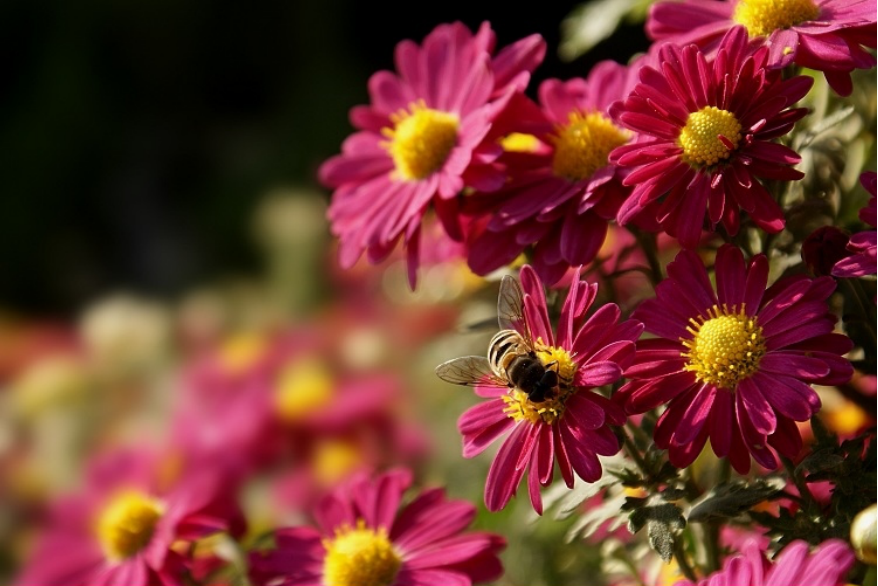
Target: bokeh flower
<point>826,35</point>
<point>827,565</point>
<point>365,536</point>
<point>422,139</point>
<point>734,365</point>
<point>705,138</point>
<point>570,426</point>
<point>123,528</point>
<point>562,190</point>
<point>863,245</point>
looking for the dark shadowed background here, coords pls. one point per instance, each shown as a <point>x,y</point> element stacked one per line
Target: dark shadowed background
<point>136,136</point>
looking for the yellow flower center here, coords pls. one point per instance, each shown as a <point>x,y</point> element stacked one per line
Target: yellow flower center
<point>420,140</point>
<point>763,17</point>
<point>127,523</point>
<point>333,460</point>
<point>709,136</point>
<point>726,346</point>
<point>360,557</point>
<point>241,351</point>
<point>519,407</point>
<point>303,386</point>
<point>583,145</point>
<point>518,142</point>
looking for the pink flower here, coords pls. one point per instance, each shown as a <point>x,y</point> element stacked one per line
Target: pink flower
<point>366,537</point>
<point>825,566</point>
<point>734,365</point>
<point>121,530</point>
<point>864,244</point>
<point>826,35</point>
<point>571,425</point>
<point>706,130</point>
<point>562,190</point>
<point>422,139</point>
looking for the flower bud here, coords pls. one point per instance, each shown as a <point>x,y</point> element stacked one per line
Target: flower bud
<point>863,535</point>
<point>823,248</point>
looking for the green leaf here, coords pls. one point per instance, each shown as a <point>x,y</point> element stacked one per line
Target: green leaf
<point>730,499</point>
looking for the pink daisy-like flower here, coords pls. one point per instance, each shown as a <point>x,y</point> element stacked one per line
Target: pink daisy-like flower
<point>560,419</point>
<point>562,190</point>
<point>122,529</point>
<point>827,565</point>
<point>826,35</point>
<point>734,365</point>
<point>706,129</point>
<point>364,537</point>
<point>865,244</point>
<point>422,139</point>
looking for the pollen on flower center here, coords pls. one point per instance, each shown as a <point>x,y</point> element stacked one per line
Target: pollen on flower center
<point>518,142</point>
<point>583,145</point>
<point>303,386</point>
<point>520,407</point>
<point>127,523</point>
<point>360,557</point>
<point>420,140</point>
<point>726,346</point>
<point>763,17</point>
<point>709,136</point>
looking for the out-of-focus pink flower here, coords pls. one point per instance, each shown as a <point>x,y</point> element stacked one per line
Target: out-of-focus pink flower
<point>423,138</point>
<point>571,426</point>
<point>823,248</point>
<point>561,190</point>
<point>364,536</point>
<point>735,364</point>
<point>122,528</point>
<point>706,138</point>
<point>826,35</point>
<point>827,565</point>
<point>864,245</point>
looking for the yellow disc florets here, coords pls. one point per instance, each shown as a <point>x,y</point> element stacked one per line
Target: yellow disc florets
<point>126,524</point>
<point>763,17</point>
<point>360,557</point>
<point>519,407</point>
<point>583,145</point>
<point>726,346</point>
<point>700,138</point>
<point>517,142</point>
<point>420,140</point>
<point>303,386</point>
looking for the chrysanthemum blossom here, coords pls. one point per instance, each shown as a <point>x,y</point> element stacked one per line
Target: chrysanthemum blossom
<point>735,364</point>
<point>571,425</point>
<point>561,190</point>
<point>863,245</point>
<point>123,529</point>
<point>364,536</point>
<point>706,138</point>
<point>422,139</point>
<point>827,565</point>
<point>826,35</point>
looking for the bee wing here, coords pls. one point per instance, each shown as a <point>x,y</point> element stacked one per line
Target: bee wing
<point>470,371</point>
<point>510,309</point>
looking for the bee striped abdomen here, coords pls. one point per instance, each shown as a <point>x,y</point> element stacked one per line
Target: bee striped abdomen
<point>502,350</point>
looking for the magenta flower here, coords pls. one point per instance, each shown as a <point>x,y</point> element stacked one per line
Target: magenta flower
<point>826,35</point>
<point>121,530</point>
<point>706,130</point>
<point>422,139</point>
<point>569,424</point>
<point>562,190</point>
<point>827,565</point>
<point>364,537</point>
<point>734,365</point>
<point>864,244</point>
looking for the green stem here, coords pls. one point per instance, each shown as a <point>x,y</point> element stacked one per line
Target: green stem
<point>856,290</point>
<point>648,245</point>
<point>683,563</point>
<point>807,498</point>
<point>635,454</point>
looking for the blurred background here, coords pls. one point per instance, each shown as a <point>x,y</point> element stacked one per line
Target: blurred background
<point>163,246</point>
<point>138,138</point>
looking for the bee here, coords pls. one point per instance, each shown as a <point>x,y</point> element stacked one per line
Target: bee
<point>512,360</point>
